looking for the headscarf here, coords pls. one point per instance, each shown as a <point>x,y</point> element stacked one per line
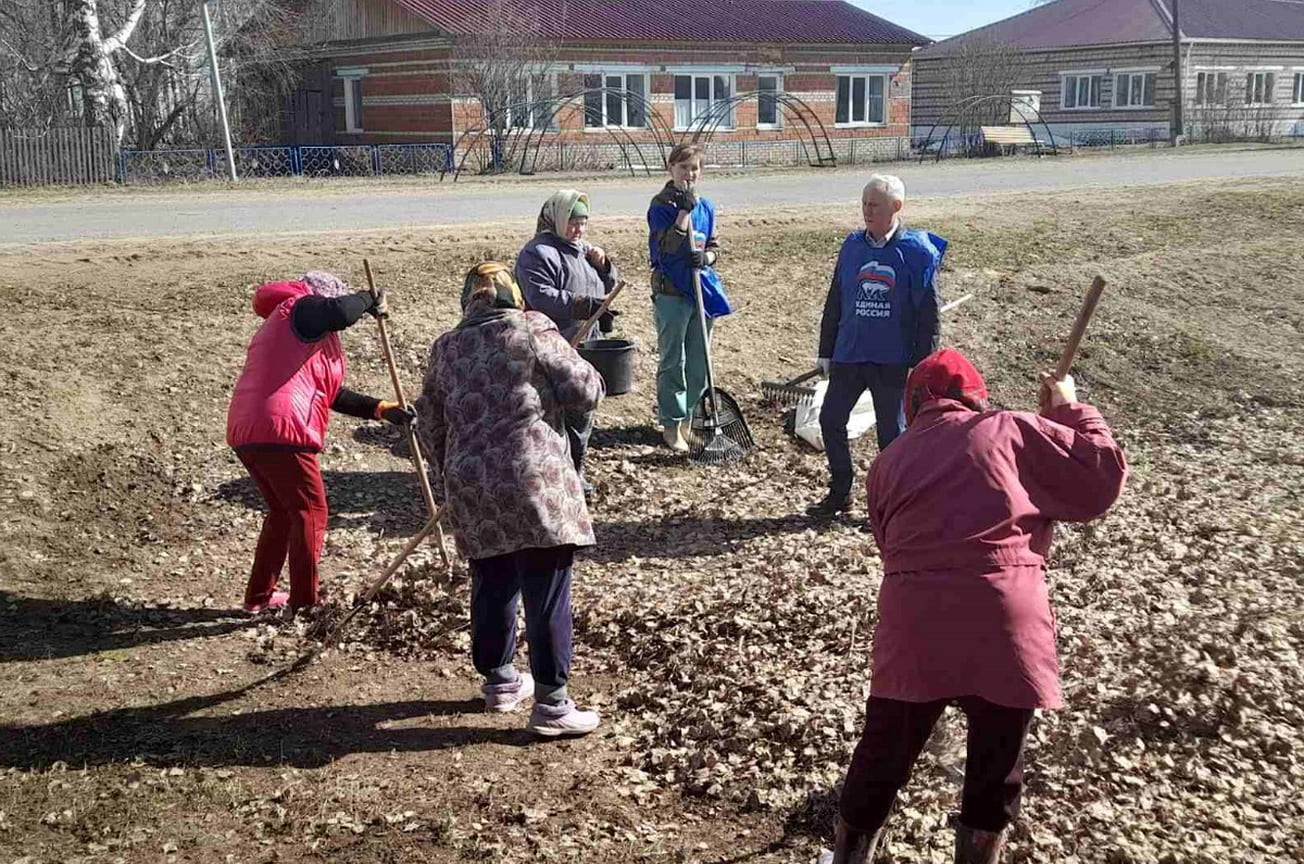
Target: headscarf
<point>325,284</point>
<point>557,209</point>
<point>946,374</point>
<point>490,284</point>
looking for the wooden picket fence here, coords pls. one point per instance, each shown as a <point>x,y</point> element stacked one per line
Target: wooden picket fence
<point>60,156</point>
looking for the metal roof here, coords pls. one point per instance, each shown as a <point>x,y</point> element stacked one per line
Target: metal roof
<point>1073,23</point>
<point>679,21</point>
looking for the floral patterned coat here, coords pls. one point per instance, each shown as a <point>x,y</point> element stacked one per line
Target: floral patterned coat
<point>490,420</point>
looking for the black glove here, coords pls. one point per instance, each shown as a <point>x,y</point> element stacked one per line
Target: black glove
<point>379,304</point>
<point>685,199</point>
<point>398,415</point>
<point>608,320</point>
<point>698,257</point>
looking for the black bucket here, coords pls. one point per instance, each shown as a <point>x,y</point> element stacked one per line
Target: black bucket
<point>614,359</point>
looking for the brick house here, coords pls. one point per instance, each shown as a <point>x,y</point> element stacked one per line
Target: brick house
<point>385,73</point>
<point>1107,65</point>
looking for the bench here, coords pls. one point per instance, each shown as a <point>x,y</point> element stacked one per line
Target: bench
<point>1011,136</point>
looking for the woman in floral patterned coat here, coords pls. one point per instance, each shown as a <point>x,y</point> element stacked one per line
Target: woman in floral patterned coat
<point>491,418</point>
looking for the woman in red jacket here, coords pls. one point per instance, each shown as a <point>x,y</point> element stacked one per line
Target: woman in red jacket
<point>292,380</point>
<point>962,506</point>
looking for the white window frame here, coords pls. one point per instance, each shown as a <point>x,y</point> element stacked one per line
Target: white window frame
<point>1123,79</point>
<point>851,122</point>
<point>530,96</point>
<point>694,111</point>
<point>1206,96</point>
<point>1252,88</point>
<point>1075,75</point>
<point>778,108</point>
<point>352,111</point>
<point>1297,94</point>
<point>624,75</point>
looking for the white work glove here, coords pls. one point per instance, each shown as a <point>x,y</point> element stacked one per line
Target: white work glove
<point>1055,393</point>
<point>823,364</point>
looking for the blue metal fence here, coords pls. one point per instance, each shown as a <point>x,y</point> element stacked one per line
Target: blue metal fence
<point>162,166</point>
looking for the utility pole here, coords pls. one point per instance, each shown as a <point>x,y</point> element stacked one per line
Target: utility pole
<point>217,91</point>
<point>1178,108</point>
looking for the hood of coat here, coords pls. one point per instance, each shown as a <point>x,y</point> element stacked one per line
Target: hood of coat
<point>273,294</point>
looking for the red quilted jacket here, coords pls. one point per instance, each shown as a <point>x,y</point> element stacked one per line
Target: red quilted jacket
<point>284,395</point>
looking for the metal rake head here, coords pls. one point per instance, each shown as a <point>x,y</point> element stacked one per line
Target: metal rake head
<point>723,442</point>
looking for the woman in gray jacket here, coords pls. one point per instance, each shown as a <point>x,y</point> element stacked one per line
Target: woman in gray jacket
<point>490,415</point>
<point>566,278</point>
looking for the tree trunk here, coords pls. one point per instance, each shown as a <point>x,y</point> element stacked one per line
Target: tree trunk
<point>91,62</point>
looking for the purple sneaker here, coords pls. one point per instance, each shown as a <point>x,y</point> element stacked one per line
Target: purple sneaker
<point>502,698</point>
<point>552,721</point>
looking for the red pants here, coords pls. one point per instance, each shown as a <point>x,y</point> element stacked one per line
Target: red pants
<point>295,525</point>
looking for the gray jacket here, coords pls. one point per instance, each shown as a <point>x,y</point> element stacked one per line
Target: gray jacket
<point>557,279</point>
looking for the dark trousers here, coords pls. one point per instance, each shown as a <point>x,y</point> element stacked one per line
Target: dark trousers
<point>847,381</point>
<point>294,527</point>
<point>542,577</point>
<point>896,731</point>
<point>579,428</point>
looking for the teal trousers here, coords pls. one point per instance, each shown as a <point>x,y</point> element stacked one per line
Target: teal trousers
<point>681,373</point>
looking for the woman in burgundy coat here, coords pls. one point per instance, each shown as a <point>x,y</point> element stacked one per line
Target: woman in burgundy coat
<point>963,506</point>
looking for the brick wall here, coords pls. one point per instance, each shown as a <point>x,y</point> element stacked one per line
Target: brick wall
<point>407,95</point>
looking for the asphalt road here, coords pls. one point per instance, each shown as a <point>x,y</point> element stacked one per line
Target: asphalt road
<point>218,211</point>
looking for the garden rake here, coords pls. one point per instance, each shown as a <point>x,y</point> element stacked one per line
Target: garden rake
<point>718,433</point>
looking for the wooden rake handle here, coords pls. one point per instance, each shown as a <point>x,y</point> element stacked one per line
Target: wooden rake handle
<point>583,332</point>
<point>430,527</point>
<point>1089,304</point>
<point>414,446</point>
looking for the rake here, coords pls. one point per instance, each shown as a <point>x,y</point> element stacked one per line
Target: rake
<point>718,434</point>
<point>788,394</point>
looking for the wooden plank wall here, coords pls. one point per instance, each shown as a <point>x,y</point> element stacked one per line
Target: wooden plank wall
<point>61,156</point>
<point>370,19</point>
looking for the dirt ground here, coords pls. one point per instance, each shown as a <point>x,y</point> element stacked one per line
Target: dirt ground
<point>724,638</point>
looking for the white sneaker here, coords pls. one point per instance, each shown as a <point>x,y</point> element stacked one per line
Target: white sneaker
<point>674,438</point>
<point>502,698</point>
<point>552,721</point>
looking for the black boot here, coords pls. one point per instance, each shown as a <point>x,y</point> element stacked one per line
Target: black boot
<point>977,847</point>
<point>831,506</point>
<point>851,846</point>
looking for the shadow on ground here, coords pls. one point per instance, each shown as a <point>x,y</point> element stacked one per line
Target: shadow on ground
<point>377,500</point>
<point>33,628</point>
<point>167,734</point>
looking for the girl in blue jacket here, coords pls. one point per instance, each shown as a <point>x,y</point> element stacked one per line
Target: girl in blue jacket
<point>682,238</point>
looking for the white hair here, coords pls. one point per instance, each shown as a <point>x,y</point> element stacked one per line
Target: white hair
<point>889,184</point>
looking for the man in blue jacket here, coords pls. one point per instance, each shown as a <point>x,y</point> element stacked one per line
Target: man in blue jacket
<point>880,319</point>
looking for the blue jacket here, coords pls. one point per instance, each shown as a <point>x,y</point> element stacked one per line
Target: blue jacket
<point>668,250</point>
<point>882,302</point>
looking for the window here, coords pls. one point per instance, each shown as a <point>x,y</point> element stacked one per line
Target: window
<point>1258,88</point>
<point>860,100</point>
<point>1298,98</point>
<point>1134,90</point>
<point>525,108</point>
<point>1211,88</point>
<point>353,104</point>
<point>1080,91</point>
<point>696,96</point>
<point>767,103</point>
<point>615,100</point>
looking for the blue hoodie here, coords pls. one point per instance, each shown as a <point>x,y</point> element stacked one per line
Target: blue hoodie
<point>882,302</point>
